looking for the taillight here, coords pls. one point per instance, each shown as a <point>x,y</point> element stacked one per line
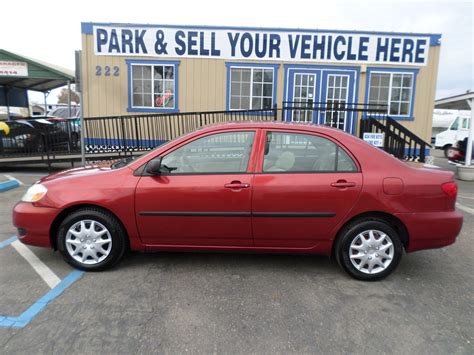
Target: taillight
<point>450,188</point>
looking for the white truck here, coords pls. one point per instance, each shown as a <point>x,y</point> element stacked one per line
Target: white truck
<point>457,131</point>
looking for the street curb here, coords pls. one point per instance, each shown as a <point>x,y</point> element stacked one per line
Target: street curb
<point>8,185</point>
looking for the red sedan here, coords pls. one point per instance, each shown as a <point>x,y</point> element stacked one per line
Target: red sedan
<point>257,187</point>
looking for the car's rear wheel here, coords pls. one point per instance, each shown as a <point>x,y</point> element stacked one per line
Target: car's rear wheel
<point>75,141</point>
<point>91,239</point>
<point>369,250</point>
<point>40,145</point>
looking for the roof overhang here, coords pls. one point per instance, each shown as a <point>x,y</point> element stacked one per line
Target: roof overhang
<point>458,102</point>
<point>41,76</point>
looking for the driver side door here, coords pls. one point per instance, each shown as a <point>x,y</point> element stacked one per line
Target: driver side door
<point>203,196</point>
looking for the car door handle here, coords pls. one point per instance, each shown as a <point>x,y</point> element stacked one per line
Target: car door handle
<point>343,184</point>
<point>237,185</point>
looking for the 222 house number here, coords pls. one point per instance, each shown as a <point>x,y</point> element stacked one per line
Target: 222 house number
<point>107,71</point>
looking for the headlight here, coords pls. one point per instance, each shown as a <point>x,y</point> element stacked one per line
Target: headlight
<point>35,193</point>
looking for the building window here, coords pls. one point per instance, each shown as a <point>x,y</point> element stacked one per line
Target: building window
<point>251,88</point>
<point>393,91</point>
<point>153,86</point>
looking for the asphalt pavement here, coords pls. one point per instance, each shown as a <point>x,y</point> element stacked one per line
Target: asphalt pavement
<point>236,303</point>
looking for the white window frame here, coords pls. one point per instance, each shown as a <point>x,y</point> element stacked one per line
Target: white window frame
<point>391,74</point>
<point>131,64</point>
<point>152,67</point>
<point>273,68</point>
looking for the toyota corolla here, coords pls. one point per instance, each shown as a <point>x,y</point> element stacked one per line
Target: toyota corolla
<point>247,187</point>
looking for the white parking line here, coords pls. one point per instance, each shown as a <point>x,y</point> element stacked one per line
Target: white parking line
<point>465,196</point>
<point>45,272</point>
<point>465,208</point>
<point>9,177</point>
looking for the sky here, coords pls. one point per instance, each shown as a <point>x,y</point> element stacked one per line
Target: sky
<point>50,30</point>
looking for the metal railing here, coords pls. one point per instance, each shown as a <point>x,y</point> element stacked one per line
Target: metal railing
<point>48,141</point>
<point>337,114</point>
<point>398,140</point>
<point>105,138</point>
<point>133,133</point>
<point>23,138</point>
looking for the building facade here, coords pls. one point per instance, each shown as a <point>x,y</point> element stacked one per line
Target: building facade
<point>130,69</point>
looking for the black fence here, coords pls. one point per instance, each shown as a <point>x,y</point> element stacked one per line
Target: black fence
<point>129,134</point>
<point>337,114</point>
<point>398,140</point>
<point>105,138</point>
<point>20,138</point>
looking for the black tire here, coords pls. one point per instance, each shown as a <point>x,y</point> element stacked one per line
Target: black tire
<point>117,233</point>
<point>75,142</point>
<point>40,146</point>
<point>350,233</point>
<point>446,149</point>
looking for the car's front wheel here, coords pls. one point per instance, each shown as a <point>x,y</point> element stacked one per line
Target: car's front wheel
<point>446,149</point>
<point>369,250</point>
<point>91,239</point>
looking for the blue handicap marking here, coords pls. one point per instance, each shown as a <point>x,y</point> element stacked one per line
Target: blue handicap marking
<point>7,242</point>
<point>8,185</point>
<point>36,308</point>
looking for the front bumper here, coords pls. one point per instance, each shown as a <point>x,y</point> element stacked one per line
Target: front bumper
<point>432,229</point>
<point>34,223</point>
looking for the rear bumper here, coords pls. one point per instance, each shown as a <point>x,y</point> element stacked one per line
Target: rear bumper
<point>431,230</point>
<point>35,223</point>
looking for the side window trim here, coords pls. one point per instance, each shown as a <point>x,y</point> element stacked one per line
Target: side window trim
<point>339,146</point>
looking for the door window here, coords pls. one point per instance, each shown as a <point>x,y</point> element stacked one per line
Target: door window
<point>304,97</point>
<point>218,153</point>
<point>336,100</point>
<point>465,123</point>
<point>296,152</point>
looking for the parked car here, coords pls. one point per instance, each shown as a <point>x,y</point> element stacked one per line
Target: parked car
<point>33,136</point>
<point>457,131</point>
<point>19,137</point>
<point>457,152</point>
<point>63,112</point>
<point>247,187</point>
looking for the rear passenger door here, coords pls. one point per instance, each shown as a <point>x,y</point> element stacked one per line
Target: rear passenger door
<point>305,184</point>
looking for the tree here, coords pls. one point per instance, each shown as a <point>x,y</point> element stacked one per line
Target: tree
<point>63,96</point>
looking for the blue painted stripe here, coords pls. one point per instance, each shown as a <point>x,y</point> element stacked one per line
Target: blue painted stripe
<point>28,315</point>
<point>417,151</point>
<point>7,242</point>
<point>8,185</point>
<point>148,143</point>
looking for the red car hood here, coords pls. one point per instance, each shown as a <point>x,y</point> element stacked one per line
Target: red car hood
<point>77,172</point>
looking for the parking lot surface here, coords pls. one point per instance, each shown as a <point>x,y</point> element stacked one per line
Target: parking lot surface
<point>239,303</point>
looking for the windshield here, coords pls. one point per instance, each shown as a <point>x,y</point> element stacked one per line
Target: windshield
<point>455,125</point>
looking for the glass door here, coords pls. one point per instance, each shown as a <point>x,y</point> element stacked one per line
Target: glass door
<point>304,94</point>
<point>337,91</point>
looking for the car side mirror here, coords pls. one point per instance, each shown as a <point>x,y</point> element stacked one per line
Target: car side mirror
<point>154,166</point>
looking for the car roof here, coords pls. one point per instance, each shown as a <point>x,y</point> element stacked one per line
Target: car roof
<point>274,125</point>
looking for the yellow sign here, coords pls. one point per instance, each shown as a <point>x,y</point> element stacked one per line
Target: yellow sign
<point>4,127</point>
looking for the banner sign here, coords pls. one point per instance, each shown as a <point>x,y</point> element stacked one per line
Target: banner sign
<point>261,45</point>
<point>376,139</point>
<point>10,68</point>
